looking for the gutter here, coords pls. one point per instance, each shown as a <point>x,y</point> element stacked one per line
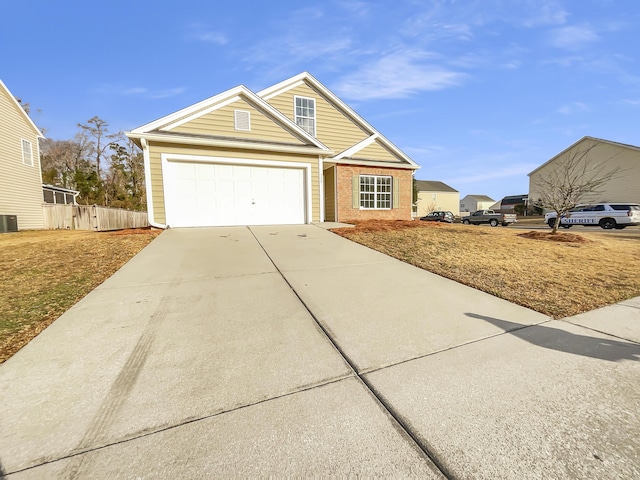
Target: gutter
<point>163,138</point>
<point>147,181</point>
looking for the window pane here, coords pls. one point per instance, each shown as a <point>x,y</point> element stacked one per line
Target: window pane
<point>27,157</point>
<point>305,114</point>
<point>375,192</point>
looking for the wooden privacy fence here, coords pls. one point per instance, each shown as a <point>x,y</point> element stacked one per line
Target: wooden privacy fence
<point>91,217</point>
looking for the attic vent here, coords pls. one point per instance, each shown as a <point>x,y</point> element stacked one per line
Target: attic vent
<point>242,120</point>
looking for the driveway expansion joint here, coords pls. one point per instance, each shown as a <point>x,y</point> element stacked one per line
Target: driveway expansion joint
<point>400,423</point>
<point>78,452</point>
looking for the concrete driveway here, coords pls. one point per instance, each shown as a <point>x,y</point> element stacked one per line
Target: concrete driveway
<point>291,351</point>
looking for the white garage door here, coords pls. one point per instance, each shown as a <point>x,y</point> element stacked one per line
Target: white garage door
<point>207,194</point>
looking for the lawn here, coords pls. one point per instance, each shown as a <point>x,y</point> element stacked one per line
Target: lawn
<point>44,273</point>
<point>559,275</point>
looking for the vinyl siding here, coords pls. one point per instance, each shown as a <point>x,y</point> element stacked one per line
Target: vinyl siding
<point>448,201</point>
<point>220,122</point>
<point>333,128</point>
<point>375,151</point>
<point>20,184</point>
<point>622,188</point>
<point>157,184</point>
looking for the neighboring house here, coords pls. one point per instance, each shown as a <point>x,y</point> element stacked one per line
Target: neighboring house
<point>293,153</point>
<point>508,203</point>
<point>58,195</point>
<point>20,176</point>
<point>624,187</point>
<point>434,195</point>
<point>471,203</point>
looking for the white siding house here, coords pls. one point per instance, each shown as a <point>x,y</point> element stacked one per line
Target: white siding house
<point>471,203</point>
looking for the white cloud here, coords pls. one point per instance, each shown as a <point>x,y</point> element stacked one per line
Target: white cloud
<point>355,7</point>
<point>573,37</point>
<point>134,91</point>
<point>171,92</point>
<point>397,76</point>
<point>497,172</point>
<point>141,91</point>
<point>201,33</point>
<point>575,107</point>
<point>546,12</point>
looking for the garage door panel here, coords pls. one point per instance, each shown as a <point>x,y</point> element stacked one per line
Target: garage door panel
<point>210,194</point>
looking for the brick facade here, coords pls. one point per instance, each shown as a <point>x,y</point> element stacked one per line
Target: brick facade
<point>345,210</point>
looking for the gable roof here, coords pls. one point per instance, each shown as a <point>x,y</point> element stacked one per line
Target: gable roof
<point>161,129</point>
<point>594,139</point>
<point>36,130</point>
<point>433,186</point>
<point>481,198</point>
<point>374,135</point>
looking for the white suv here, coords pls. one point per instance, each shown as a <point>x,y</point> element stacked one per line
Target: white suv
<point>605,215</point>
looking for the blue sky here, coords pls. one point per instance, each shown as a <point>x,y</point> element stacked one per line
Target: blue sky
<point>478,92</point>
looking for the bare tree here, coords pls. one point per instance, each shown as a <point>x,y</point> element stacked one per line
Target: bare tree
<point>60,159</point>
<point>97,132</point>
<point>572,179</point>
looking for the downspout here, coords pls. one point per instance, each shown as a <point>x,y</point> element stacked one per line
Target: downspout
<point>147,181</point>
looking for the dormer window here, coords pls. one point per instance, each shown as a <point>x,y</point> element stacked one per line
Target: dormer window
<point>305,114</point>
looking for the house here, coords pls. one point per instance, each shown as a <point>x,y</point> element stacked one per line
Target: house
<point>624,187</point>
<point>471,203</point>
<point>293,153</point>
<point>508,203</point>
<point>20,176</point>
<point>434,195</point>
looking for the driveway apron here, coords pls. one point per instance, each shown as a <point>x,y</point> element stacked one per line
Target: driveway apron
<point>287,350</point>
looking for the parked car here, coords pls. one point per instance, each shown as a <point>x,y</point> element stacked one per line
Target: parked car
<point>604,215</point>
<point>438,216</point>
<point>490,217</point>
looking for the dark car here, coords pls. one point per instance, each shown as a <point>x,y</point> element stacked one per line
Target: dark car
<point>438,216</point>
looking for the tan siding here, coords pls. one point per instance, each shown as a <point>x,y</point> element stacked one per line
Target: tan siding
<point>157,181</point>
<point>221,122</point>
<point>375,151</point>
<point>448,201</point>
<point>622,188</point>
<point>333,128</point>
<point>20,184</point>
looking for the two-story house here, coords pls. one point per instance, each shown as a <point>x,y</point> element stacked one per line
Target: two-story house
<point>292,153</point>
<point>20,175</point>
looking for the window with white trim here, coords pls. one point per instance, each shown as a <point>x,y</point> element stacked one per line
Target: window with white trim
<point>242,120</point>
<point>27,153</point>
<point>305,114</point>
<point>375,192</point>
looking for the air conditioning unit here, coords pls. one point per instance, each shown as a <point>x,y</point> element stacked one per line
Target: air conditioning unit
<point>8,223</point>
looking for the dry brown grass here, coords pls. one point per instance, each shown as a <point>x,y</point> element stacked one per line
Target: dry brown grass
<point>558,275</point>
<point>45,272</point>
